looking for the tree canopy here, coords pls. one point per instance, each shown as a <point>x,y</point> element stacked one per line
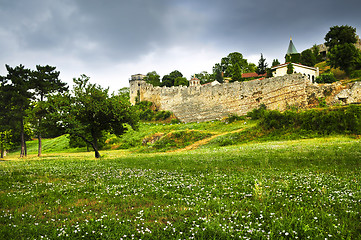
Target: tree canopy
<point>153,78</point>
<point>233,66</point>
<point>89,112</point>
<point>16,96</point>
<point>342,52</point>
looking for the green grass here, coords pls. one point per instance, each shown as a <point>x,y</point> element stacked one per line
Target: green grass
<point>133,139</point>
<point>52,145</point>
<point>299,189</point>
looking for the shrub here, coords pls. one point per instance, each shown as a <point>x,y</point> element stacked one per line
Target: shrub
<point>162,115</point>
<point>257,113</point>
<point>355,74</point>
<point>175,121</point>
<point>327,121</point>
<point>326,78</point>
<point>145,112</point>
<point>234,117</point>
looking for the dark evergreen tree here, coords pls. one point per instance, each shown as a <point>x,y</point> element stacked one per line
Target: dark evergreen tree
<point>45,81</point>
<point>275,62</point>
<point>262,65</point>
<point>16,96</point>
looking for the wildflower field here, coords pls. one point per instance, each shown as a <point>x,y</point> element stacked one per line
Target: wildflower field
<point>300,189</point>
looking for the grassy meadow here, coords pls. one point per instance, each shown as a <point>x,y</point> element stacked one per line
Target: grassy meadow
<point>251,189</point>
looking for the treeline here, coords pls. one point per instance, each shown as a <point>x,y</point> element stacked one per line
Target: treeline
<point>37,103</point>
<point>230,67</point>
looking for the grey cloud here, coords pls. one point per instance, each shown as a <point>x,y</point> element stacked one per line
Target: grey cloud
<point>100,33</point>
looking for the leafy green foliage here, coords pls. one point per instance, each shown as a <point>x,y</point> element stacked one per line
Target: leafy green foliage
<point>89,113</point>
<point>234,117</point>
<point>232,66</point>
<point>308,58</point>
<point>181,81</point>
<point>293,58</point>
<point>326,121</point>
<point>327,77</point>
<point>146,113</point>
<point>153,78</point>
<point>257,113</point>
<point>342,51</point>
<point>290,68</point>
<point>169,80</point>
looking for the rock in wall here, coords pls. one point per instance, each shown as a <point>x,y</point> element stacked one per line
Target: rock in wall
<point>204,103</point>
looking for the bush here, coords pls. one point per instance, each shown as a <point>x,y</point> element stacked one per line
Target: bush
<point>145,112</point>
<point>355,74</point>
<point>162,115</point>
<point>326,78</point>
<point>175,121</point>
<point>257,113</point>
<point>327,121</point>
<point>234,117</point>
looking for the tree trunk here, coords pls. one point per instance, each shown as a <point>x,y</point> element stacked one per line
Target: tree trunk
<point>2,149</point>
<point>22,139</point>
<point>39,145</point>
<point>39,127</point>
<point>93,144</point>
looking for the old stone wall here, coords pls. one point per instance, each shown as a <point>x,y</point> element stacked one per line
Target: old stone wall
<point>203,103</point>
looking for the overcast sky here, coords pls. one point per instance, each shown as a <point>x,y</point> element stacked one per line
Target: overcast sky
<point>109,40</point>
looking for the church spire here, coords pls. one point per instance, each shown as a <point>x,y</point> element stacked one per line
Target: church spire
<point>291,48</point>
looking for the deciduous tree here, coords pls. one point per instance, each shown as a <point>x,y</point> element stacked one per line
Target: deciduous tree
<point>89,112</point>
<point>342,51</point>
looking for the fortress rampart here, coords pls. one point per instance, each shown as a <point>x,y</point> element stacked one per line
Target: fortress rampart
<point>204,103</point>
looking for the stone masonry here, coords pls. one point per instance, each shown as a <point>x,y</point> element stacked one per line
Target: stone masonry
<point>204,103</point>
<point>207,102</point>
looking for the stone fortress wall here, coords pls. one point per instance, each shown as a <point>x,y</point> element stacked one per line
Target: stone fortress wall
<point>207,102</point>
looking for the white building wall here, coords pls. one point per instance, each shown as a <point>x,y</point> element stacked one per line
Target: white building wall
<point>311,73</point>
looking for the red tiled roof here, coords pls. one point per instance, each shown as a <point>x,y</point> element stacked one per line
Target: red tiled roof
<point>253,74</point>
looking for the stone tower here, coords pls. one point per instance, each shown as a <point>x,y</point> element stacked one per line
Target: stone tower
<point>136,83</point>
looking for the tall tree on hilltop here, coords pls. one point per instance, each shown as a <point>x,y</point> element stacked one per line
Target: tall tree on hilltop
<point>342,52</point>
<point>45,81</point>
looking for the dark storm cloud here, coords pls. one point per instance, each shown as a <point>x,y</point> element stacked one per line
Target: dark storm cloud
<point>127,29</point>
<point>94,34</point>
